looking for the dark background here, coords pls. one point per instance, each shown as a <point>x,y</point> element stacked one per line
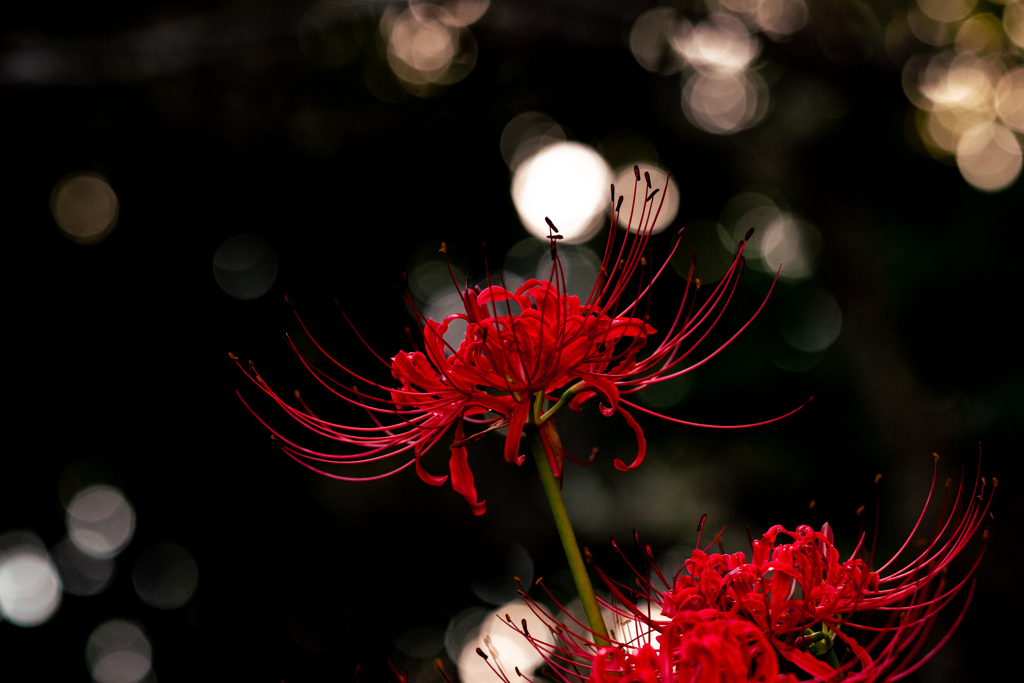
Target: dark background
<point>116,353</point>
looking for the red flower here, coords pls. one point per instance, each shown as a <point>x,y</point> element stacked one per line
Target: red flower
<point>520,349</point>
<point>705,646</point>
<point>829,619</point>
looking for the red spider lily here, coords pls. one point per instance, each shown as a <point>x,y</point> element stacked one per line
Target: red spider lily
<point>521,349</point>
<point>808,605</point>
<point>696,646</point>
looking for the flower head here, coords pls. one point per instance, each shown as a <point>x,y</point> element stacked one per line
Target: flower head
<point>521,350</point>
<point>816,614</point>
<point>703,646</point>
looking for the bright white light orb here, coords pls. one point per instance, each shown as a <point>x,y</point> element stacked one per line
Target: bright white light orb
<point>624,182</point>
<point>567,182</point>
<point>30,588</point>
<point>500,642</point>
<point>100,521</point>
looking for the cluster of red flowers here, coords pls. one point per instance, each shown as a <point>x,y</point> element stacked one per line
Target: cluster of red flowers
<point>794,608</point>
<point>520,350</point>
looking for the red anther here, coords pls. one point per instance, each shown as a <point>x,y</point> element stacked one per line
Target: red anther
<point>636,172</point>
<point>232,356</point>
<point>481,653</point>
<point>613,192</point>
<point>647,177</point>
<point>618,205</point>
<point>749,234</point>
<point>550,224</point>
<point>700,526</point>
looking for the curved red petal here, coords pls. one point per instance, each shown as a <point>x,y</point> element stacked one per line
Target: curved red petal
<point>462,476</point>
<point>515,432</point>
<point>640,441</point>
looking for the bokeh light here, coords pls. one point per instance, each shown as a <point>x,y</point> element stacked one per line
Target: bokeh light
<point>779,239</point>
<point>568,182</point>
<point>526,134</point>
<point>465,12</point>
<point>462,627</point>
<point>723,91</point>
<point>779,18</point>
<point>744,212</point>
<point>494,637</point>
<point>624,181</point>
<point>118,652</point>
<point>1013,23</point>
<point>429,47</point>
<point>789,246</point>
<point>80,573</point>
<point>652,36</point>
<point>725,103</point>
<point>981,34</point>
<point>722,94</point>
<point>85,207</point>
<point>947,10</point>
<point>989,157</point>
<point>165,576</point>
<point>100,521</point>
<point>1010,99</point>
<point>30,587</point>
<point>970,95</point>
<point>245,267</point>
<point>719,45</point>
<point>810,319</point>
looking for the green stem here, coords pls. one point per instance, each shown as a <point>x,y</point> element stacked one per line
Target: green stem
<point>572,548</point>
<point>566,395</point>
